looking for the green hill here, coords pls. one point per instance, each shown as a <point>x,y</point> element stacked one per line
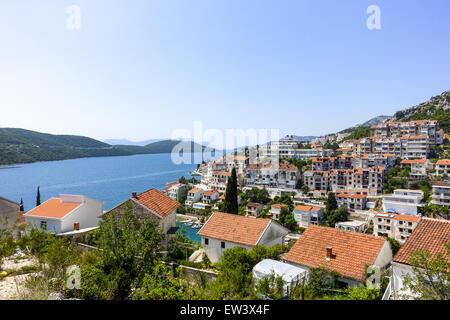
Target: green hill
<point>25,146</point>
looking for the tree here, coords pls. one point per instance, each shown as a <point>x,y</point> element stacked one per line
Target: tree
<point>38,197</point>
<point>258,195</point>
<point>129,249</point>
<point>287,219</point>
<point>331,203</point>
<point>284,198</point>
<point>21,209</point>
<point>231,203</point>
<point>430,279</point>
<point>395,245</point>
<point>338,215</point>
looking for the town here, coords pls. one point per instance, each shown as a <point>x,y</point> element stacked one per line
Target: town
<point>336,218</point>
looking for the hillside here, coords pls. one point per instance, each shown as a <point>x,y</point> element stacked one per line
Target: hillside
<point>437,108</point>
<point>25,146</point>
<point>126,142</point>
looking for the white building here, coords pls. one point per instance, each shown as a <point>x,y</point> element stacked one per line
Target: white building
<point>306,215</point>
<point>419,167</point>
<point>66,213</point>
<point>441,193</point>
<point>443,167</point>
<point>174,190</point>
<point>275,210</point>
<point>194,195</point>
<point>223,231</point>
<point>403,201</point>
<point>431,235</point>
<point>352,225</point>
<point>210,197</point>
<point>395,226</point>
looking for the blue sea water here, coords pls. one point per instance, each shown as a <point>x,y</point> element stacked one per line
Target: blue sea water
<point>190,232</point>
<point>107,179</point>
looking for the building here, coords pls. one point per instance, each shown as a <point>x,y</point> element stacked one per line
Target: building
<point>220,180</point>
<point>348,253</point>
<point>306,215</point>
<point>209,197</point>
<point>271,176</point>
<point>419,167</point>
<point>9,214</point>
<point>275,210</point>
<point>223,231</point>
<point>443,167</point>
<point>174,190</point>
<point>403,201</point>
<point>152,204</point>
<point>352,201</point>
<point>395,226</point>
<point>194,195</point>
<point>431,235</point>
<point>441,193</point>
<point>64,214</point>
<point>253,209</point>
<point>316,180</point>
<point>352,225</point>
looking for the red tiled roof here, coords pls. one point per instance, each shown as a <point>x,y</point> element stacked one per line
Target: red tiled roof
<point>210,193</point>
<point>157,202</point>
<point>416,161</point>
<point>53,208</point>
<point>234,228</point>
<point>351,251</point>
<point>194,190</point>
<point>253,204</point>
<point>430,234</point>
<point>443,162</point>
<point>303,208</point>
<point>279,205</point>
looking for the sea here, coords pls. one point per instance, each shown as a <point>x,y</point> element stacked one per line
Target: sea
<point>107,179</point>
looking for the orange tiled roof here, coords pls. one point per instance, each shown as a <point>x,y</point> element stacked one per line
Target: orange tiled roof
<point>430,234</point>
<point>416,161</point>
<point>234,228</point>
<point>443,162</point>
<point>303,208</point>
<point>222,173</point>
<point>351,251</point>
<point>279,205</point>
<point>194,190</point>
<point>53,208</point>
<point>210,193</point>
<point>157,202</point>
<point>253,204</point>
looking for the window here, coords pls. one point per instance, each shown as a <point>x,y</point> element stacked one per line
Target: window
<point>222,244</point>
<point>44,225</point>
<point>206,241</point>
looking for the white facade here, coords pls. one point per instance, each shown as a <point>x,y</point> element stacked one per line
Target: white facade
<point>403,202</point>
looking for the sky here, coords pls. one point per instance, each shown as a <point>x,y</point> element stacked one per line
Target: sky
<point>143,69</point>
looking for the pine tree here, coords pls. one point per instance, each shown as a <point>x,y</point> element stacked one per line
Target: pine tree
<point>38,197</point>
<point>21,205</point>
<point>231,204</point>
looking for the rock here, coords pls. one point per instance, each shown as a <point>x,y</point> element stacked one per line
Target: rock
<point>55,296</point>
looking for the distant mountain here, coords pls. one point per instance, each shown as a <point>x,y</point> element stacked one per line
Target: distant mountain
<point>304,138</point>
<point>437,108</point>
<point>25,146</point>
<point>126,142</point>
<point>375,121</point>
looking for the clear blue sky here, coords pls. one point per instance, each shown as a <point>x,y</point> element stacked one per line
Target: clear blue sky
<point>141,69</point>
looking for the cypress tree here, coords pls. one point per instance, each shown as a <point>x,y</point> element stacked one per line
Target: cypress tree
<point>331,203</point>
<point>231,204</point>
<point>21,205</point>
<point>38,197</point>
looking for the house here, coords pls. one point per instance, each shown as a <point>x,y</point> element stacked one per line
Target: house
<point>419,167</point>
<point>352,201</point>
<point>441,193</point>
<point>306,215</point>
<point>253,209</point>
<point>175,190</point>
<point>194,195</point>
<point>9,213</point>
<point>152,204</point>
<point>443,167</point>
<point>352,225</point>
<point>348,253</point>
<point>275,210</point>
<point>395,226</point>
<point>64,214</point>
<point>431,235</point>
<point>210,197</point>
<point>223,231</point>
<point>403,201</point>
<point>219,180</point>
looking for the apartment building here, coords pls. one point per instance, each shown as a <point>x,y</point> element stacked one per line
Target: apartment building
<point>351,225</point>
<point>403,201</point>
<point>443,167</point>
<point>395,226</point>
<point>275,210</point>
<point>316,180</point>
<point>352,201</point>
<point>282,176</point>
<point>419,167</point>
<point>219,180</point>
<point>353,161</point>
<point>306,215</point>
<point>174,190</point>
<point>288,148</point>
<point>194,195</point>
<point>253,209</point>
<point>429,128</point>
<point>441,193</point>
<point>210,197</point>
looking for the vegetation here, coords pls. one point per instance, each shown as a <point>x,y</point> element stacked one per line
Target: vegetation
<point>287,219</point>
<point>231,203</point>
<point>258,195</point>
<point>338,215</point>
<point>357,132</point>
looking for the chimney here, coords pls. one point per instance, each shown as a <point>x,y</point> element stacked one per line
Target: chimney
<point>329,253</point>
<point>76,226</point>
<point>134,194</point>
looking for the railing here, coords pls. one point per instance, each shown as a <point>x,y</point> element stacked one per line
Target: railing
<point>387,293</point>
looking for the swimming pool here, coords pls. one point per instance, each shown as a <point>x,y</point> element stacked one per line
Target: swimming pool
<point>190,232</point>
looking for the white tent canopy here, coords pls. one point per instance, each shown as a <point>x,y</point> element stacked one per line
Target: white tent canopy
<point>288,272</point>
